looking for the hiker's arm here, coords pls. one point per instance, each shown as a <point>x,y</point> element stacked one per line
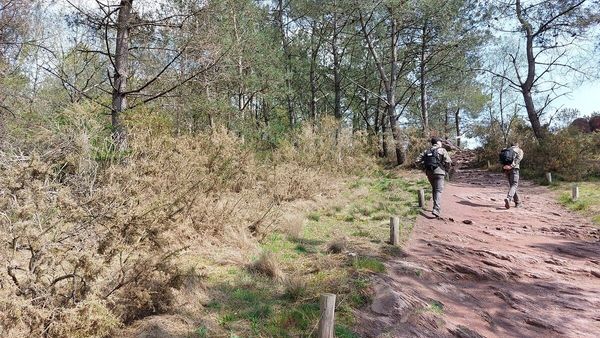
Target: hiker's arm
<point>447,160</point>
<point>518,158</point>
<point>419,160</point>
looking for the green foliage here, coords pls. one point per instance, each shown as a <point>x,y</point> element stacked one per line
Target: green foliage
<point>567,153</point>
<point>342,331</point>
<point>368,263</point>
<point>202,332</point>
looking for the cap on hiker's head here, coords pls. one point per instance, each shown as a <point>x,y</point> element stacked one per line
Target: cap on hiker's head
<point>435,140</point>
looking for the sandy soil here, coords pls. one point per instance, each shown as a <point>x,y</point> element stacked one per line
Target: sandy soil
<point>526,272</point>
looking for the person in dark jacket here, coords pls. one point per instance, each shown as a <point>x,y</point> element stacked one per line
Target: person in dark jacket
<point>512,173</point>
<point>436,162</point>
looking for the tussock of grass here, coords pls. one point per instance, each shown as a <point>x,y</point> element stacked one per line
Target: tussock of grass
<point>267,265</point>
<point>338,245</point>
<point>295,288</point>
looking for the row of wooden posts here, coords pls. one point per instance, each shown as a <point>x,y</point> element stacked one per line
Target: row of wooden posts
<point>327,301</point>
<point>574,188</point>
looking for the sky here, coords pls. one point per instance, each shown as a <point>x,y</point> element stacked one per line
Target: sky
<point>586,98</point>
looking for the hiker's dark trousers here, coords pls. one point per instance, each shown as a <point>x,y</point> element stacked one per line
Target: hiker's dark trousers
<point>513,181</point>
<point>437,186</point>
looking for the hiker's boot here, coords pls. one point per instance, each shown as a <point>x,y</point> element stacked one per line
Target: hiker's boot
<point>436,213</point>
<point>518,204</point>
<point>506,203</point>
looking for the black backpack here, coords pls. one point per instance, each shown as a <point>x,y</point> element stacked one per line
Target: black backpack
<point>431,160</point>
<point>507,156</point>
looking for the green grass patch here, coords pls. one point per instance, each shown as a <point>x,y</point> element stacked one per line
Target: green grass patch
<point>314,216</point>
<point>342,331</point>
<point>435,307</point>
<point>588,203</point>
<point>369,264</point>
<point>361,233</point>
<point>379,217</point>
<point>201,332</point>
<point>251,305</point>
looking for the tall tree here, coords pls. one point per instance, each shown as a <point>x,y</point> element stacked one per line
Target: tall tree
<point>128,35</point>
<point>387,54</point>
<point>549,32</point>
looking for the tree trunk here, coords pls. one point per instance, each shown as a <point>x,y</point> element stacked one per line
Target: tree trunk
<point>337,77</point>
<point>121,72</point>
<point>384,146</point>
<point>422,84</point>
<point>391,93</point>
<point>389,82</point>
<point>457,122</point>
<point>312,74</point>
<point>288,64</point>
<point>527,85</point>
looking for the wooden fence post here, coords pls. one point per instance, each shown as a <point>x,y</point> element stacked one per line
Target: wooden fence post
<point>575,192</point>
<point>549,178</point>
<point>326,322</point>
<point>395,231</point>
<point>421,198</point>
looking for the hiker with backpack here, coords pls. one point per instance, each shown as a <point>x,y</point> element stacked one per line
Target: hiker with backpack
<point>436,162</point>
<point>510,158</point>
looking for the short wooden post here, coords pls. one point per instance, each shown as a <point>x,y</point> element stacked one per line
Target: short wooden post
<point>575,192</point>
<point>395,231</point>
<point>549,178</point>
<point>421,198</point>
<point>489,165</point>
<point>326,322</point>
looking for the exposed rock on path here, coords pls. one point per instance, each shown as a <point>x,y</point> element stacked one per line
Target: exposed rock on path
<point>523,272</point>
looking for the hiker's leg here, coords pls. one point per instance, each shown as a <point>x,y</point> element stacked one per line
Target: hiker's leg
<point>438,187</point>
<point>513,181</point>
<point>515,185</point>
<point>431,179</point>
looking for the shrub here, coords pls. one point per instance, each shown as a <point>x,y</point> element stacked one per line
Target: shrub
<point>92,237</point>
<point>567,153</point>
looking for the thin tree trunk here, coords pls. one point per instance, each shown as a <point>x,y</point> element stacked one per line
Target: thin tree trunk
<point>337,79</point>
<point>312,74</point>
<point>527,85</point>
<point>422,80</point>
<point>121,59</point>
<point>457,122</point>
<point>389,82</point>
<point>384,146</point>
<point>288,65</point>
<point>392,92</point>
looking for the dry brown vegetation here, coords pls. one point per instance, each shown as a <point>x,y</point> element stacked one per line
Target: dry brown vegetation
<point>93,240</point>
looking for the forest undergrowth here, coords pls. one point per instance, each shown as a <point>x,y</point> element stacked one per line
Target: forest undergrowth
<point>96,239</point>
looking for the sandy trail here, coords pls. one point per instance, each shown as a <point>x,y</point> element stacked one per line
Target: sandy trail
<point>527,272</point>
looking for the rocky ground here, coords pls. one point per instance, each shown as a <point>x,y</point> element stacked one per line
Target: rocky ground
<point>484,271</point>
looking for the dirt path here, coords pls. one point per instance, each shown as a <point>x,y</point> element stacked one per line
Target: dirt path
<point>527,272</point>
